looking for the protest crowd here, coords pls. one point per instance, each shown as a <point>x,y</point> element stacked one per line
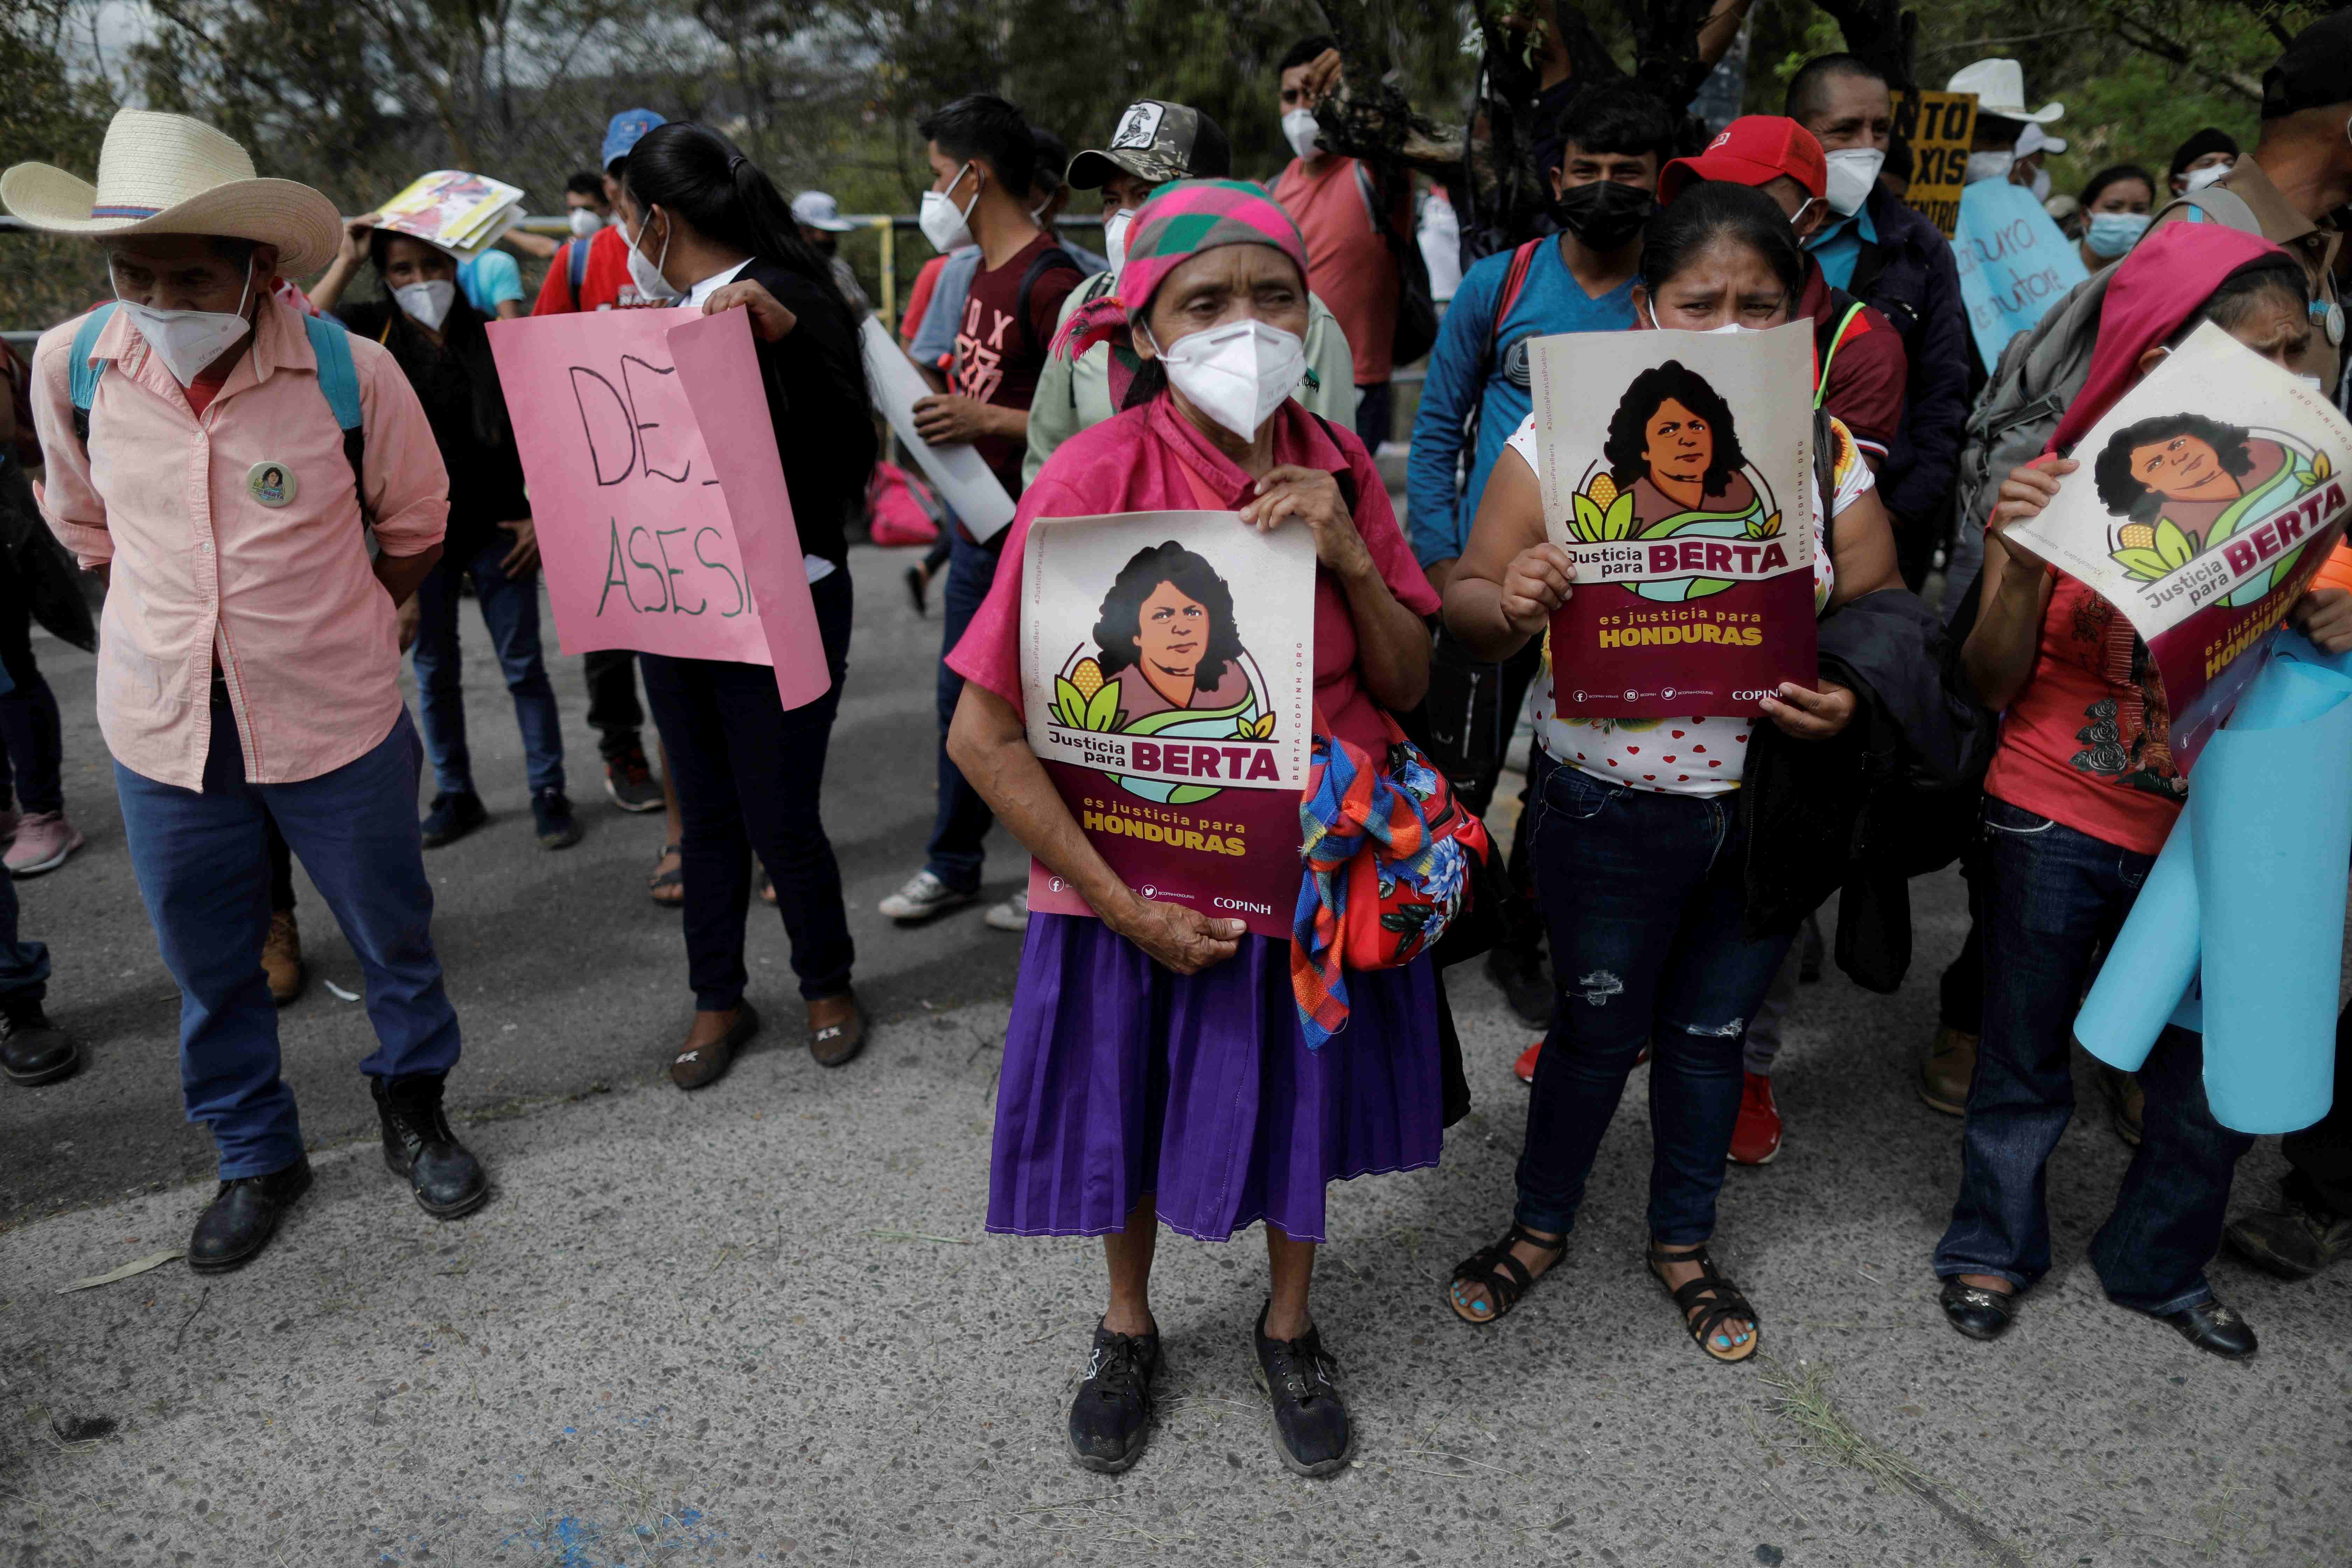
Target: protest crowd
<point>1904,516</point>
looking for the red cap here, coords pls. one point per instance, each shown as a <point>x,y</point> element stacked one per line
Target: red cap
<point>1753,150</point>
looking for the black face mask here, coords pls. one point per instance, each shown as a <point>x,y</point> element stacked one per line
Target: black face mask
<point>1603,214</point>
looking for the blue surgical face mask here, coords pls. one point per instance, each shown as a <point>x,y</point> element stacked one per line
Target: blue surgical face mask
<point>2109,235</point>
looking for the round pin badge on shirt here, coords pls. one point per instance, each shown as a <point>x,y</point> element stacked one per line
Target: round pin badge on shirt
<point>2334,327</point>
<point>271,484</point>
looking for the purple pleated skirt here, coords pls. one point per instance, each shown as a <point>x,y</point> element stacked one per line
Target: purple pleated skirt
<point>1123,1079</point>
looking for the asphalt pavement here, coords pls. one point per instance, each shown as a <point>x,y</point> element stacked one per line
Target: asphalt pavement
<point>764,1323</point>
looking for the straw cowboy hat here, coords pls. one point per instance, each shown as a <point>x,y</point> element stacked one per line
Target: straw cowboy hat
<point>1999,87</point>
<point>165,174</point>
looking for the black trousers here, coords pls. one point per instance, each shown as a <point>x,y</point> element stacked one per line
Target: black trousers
<point>32,747</point>
<point>613,711</point>
<point>2322,1152</point>
<point>749,774</point>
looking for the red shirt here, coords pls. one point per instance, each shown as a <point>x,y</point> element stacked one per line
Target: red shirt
<point>1349,266</point>
<point>1868,369</point>
<point>606,285</point>
<point>997,358</point>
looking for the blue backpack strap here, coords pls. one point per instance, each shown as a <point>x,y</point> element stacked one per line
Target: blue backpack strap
<point>83,375</point>
<point>339,384</point>
<point>579,268</point>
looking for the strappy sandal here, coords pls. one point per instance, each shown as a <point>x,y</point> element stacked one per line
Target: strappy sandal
<point>1497,1270</point>
<point>663,885</point>
<point>1713,1298</point>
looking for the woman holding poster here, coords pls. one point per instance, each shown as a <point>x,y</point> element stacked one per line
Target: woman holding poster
<point>706,228</point>
<point>1155,1067</point>
<point>1638,846</point>
<point>2084,787</point>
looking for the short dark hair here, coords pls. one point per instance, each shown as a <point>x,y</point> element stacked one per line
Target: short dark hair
<point>228,248</point>
<point>1810,84</point>
<point>1305,50</point>
<point>2116,175</point>
<point>1711,212</point>
<point>980,127</point>
<point>1121,622</point>
<point>2123,492</point>
<point>1052,158</point>
<point>1613,117</point>
<point>1650,391</point>
<point>585,184</point>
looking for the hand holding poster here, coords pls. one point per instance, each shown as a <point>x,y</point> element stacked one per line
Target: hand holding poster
<point>1167,675</point>
<point>2203,528</point>
<point>1676,470</point>
<point>963,480</point>
<point>2014,263</point>
<point>645,547</point>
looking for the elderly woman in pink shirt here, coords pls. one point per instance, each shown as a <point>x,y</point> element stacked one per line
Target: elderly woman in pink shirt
<point>1154,1067</point>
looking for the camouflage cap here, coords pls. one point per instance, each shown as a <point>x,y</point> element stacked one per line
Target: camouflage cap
<point>1156,141</point>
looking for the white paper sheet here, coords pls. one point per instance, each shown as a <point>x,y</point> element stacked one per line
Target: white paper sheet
<point>963,480</point>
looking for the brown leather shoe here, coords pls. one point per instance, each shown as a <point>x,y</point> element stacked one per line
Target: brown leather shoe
<point>281,958</point>
<point>1949,1069</point>
<point>837,1029</point>
<point>702,1063</point>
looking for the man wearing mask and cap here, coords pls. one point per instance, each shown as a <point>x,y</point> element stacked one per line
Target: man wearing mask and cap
<point>2299,173</point>
<point>222,461</point>
<point>2001,119</point>
<point>1086,378</point>
<point>1879,250</point>
<point>2025,168</point>
<point>2201,159</point>
<point>821,224</point>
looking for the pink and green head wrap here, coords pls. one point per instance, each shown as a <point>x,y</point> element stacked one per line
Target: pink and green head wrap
<point>1188,216</point>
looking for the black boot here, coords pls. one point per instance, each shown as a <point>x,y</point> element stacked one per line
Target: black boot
<point>32,1049</point>
<point>1310,1420</point>
<point>420,1148</point>
<point>242,1215</point>
<point>1110,1420</point>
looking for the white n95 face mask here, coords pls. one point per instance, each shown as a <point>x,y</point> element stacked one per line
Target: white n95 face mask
<point>944,223</point>
<point>1238,374</point>
<point>1853,171</point>
<point>1985,166</point>
<point>187,340</point>
<point>428,301</point>
<point>584,222</point>
<point>1299,129</point>
<point>647,275</point>
<point>1115,240</point>
<point>2201,178</point>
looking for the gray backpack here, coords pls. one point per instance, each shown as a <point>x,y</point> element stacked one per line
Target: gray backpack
<point>2041,373</point>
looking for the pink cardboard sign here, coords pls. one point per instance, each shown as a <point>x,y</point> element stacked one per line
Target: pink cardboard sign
<point>646,543</point>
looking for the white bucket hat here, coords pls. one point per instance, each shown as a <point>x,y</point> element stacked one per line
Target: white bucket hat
<point>1999,87</point>
<point>165,174</point>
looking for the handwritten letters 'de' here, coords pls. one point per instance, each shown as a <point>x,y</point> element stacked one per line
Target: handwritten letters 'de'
<point>1676,470</point>
<point>664,524</point>
<point>1167,679</point>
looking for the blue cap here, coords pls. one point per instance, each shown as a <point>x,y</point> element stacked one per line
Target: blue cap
<point>624,131</point>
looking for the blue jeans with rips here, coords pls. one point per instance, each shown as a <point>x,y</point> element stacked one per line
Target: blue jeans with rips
<point>2053,895</point>
<point>1643,895</point>
<point>510,611</point>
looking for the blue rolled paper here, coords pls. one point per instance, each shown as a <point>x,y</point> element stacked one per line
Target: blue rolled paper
<point>2149,977</point>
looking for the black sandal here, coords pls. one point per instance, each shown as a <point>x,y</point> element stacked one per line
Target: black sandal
<point>661,882</point>
<point>1713,1291</point>
<point>1512,1282</point>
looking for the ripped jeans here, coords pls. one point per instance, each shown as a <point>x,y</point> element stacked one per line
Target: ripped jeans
<point>1641,894</point>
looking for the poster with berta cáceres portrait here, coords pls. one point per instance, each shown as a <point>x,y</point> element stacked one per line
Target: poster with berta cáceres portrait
<point>2206,500</point>
<point>1167,675</point>
<point>1676,470</point>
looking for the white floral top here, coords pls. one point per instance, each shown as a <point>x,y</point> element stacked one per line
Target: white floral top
<point>1701,755</point>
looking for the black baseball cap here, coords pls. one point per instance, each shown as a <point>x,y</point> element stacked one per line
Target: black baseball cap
<point>1156,142</point>
<point>2314,71</point>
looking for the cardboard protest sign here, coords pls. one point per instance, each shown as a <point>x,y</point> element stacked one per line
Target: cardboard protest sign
<point>1676,469</point>
<point>1167,674</point>
<point>1939,126</point>
<point>963,480</point>
<point>2207,499</point>
<point>645,544</point>
<point>2014,263</point>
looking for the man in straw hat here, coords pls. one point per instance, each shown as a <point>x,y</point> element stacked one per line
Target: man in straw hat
<point>218,458</point>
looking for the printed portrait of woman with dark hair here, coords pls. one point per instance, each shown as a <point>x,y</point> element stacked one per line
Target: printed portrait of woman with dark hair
<point>2183,483</point>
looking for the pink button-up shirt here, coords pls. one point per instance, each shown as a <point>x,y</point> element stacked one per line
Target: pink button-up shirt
<point>283,597</point>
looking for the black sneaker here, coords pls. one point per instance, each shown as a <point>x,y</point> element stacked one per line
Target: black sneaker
<point>631,783</point>
<point>2295,1240</point>
<point>919,588</point>
<point>32,1049</point>
<point>452,817</point>
<point>1110,1420</point>
<point>1310,1420</point>
<point>551,813</point>
<point>1525,981</point>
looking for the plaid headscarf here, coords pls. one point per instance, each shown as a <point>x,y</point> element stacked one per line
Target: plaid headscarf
<point>1183,218</point>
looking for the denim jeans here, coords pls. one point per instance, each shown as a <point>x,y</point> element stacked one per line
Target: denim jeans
<point>1643,895</point>
<point>964,819</point>
<point>204,873</point>
<point>510,611</point>
<point>24,966</point>
<point>748,774</point>
<point>2051,896</point>
<point>2321,1154</point>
